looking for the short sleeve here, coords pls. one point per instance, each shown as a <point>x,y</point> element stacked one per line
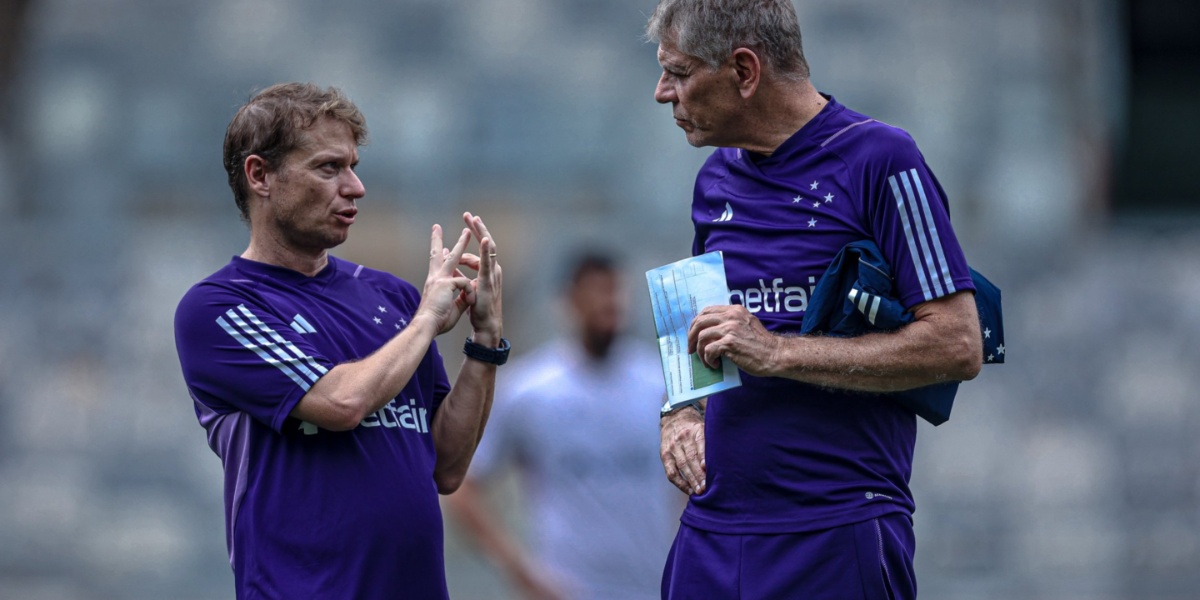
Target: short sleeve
<point>237,356</point>
<point>909,217</point>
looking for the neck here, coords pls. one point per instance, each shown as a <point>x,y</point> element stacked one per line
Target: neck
<point>784,107</point>
<point>274,252</point>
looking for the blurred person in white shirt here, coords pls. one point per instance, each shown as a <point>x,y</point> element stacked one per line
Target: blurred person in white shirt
<point>571,418</point>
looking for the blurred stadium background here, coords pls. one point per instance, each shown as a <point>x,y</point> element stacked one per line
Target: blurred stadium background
<point>1063,130</point>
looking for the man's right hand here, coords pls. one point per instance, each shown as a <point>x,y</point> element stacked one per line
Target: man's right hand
<point>447,292</point>
<point>682,449</point>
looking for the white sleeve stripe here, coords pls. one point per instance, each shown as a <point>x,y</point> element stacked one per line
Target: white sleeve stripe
<point>921,230</point>
<point>862,303</point>
<point>264,343</point>
<point>908,235</point>
<point>946,279</point>
<point>282,342</point>
<point>287,370</point>
<point>304,324</point>
<point>261,342</point>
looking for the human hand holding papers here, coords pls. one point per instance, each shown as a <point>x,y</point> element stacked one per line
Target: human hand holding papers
<point>678,292</point>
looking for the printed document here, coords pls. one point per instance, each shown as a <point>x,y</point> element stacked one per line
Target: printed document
<point>678,292</point>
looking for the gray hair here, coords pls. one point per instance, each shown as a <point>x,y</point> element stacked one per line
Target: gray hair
<point>711,29</point>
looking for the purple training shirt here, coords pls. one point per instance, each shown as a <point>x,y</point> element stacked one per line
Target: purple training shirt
<point>312,513</point>
<point>783,456</point>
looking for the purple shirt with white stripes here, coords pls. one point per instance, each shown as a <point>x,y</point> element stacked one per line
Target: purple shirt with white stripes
<point>309,512</point>
<point>783,456</point>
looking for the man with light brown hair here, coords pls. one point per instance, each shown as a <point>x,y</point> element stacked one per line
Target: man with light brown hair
<point>318,380</point>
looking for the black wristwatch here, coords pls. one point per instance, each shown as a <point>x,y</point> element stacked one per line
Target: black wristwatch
<point>479,352</point>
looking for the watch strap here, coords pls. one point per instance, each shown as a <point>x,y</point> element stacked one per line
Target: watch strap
<point>479,352</point>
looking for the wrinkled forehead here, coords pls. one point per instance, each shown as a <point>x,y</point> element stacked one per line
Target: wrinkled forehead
<point>669,55</point>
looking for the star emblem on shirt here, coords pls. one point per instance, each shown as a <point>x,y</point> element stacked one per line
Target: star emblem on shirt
<point>987,333</point>
<point>796,200</point>
<point>378,321</point>
<point>828,198</point>
<point>1000,349</point>
<point>812,222</point>
<point>382,309</point>
<point>816,204</point>
<point>813,185</point>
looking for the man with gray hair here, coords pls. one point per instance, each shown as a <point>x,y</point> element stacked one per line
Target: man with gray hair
<point>798,479</point>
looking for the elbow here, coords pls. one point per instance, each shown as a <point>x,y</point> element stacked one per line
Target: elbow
<point>447,484</point>
<point>344,415</point>
<point>449,475</point>
<point>333,405</point>
<point>971,368</point>
<point>341,424</point>
<point>967,357</point>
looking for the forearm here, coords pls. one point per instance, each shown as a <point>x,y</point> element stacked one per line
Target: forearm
<point>349,392</point>
<point>876,362</point>
<point>459,422</point>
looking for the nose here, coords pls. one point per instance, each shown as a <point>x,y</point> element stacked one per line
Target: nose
<point>663,92</point>
<point>352,186</point>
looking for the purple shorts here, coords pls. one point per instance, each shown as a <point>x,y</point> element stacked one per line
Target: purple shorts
<point>871,560</point>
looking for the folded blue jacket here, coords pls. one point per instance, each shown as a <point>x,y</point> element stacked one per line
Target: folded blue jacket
<point>855,296</point>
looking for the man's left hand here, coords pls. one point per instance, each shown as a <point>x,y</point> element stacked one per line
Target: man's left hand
<point>486,315</point>
<point>732,332</point>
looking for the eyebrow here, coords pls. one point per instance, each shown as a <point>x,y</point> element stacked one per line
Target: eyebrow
<point>325,156</point>
<point>672,63</point>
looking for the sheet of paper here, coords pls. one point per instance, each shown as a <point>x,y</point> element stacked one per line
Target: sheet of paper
<point>678,292</point>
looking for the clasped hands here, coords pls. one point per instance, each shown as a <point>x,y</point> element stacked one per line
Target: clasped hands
<point>449,293</point>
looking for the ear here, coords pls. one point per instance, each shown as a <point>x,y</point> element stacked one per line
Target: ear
<point>748,70</point>
<point>256,175</point>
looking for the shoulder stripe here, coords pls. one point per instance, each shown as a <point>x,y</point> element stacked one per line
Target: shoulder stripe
<point>250,331</point>
<point>921,234</point>
<point>908,236</point>
<point>946,278</point>
<point>844,130</point>
<point>281,342</point>
<point>284,368</point>
<point>920,230</point>
<point>301,325</point>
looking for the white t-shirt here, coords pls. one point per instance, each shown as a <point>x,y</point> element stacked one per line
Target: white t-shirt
<point>585,437</point>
